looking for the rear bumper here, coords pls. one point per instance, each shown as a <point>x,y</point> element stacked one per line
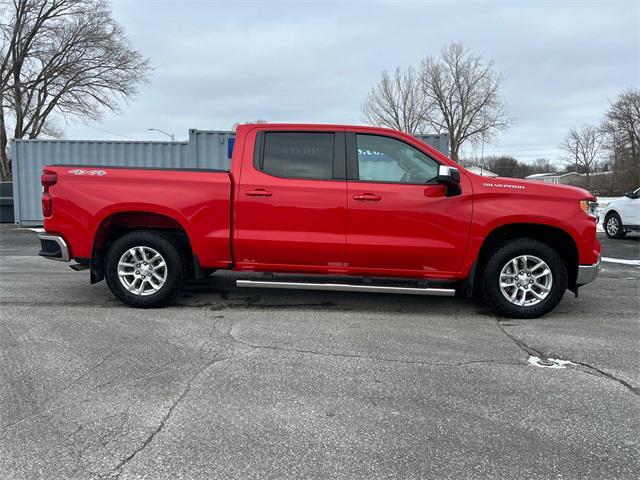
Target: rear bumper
<point>53,247</point>
<point>587,273</point>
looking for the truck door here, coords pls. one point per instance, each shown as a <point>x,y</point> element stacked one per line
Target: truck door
<point>291,202</point>
<point>399,220</point>
<point>631,209</point>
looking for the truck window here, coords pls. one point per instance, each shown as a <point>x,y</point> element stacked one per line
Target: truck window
<point>306,155</point>
<point>384,159</point>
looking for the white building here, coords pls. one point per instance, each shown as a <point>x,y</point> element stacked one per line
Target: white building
<point>571,178</point>
<point>482,172</point>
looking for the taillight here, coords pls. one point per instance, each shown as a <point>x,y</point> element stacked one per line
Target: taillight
<point>47,179</point>
<point>47,204</point>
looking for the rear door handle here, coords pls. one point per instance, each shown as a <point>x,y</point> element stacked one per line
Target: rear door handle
<point>371,197</point>
<point>258,192</point>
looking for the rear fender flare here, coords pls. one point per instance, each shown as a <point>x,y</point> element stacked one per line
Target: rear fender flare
<point>96,271</point>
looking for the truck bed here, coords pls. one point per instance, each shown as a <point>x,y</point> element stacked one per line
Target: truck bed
<point>86,198</point>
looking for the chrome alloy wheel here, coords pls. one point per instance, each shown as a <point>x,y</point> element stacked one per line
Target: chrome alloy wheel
<point>142,271</point>
<point>526,280</point>
<point>612,226</point>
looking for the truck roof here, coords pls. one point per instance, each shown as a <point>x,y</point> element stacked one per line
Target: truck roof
<point>309,126</point>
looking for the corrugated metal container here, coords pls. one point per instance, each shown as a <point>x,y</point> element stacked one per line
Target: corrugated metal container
<point>204,149</point>
<point>438,141</point>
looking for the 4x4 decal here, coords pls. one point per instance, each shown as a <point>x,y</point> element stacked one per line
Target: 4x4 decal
<point>87,172</point>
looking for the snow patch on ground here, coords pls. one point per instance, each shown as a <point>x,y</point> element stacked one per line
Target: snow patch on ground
<point>549,362</point>
<point>602,204</point>
<point>622,261</point>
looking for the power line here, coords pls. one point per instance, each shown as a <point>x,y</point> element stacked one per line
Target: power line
<point>522,149</point>
<point>111,133</point>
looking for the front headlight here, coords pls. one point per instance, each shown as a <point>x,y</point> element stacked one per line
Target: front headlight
<point>590,208</point>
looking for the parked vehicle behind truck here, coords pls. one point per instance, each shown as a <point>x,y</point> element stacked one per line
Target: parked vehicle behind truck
<point>352,208</point>
<point>622,215</point>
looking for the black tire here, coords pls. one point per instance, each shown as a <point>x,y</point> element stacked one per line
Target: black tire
<point>170,252</point>
<point>492,294</point>
<point>613,226</point>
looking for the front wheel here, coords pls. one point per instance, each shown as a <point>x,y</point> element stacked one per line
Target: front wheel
<point>145,269</point>
<point>524,278</point>
<point>613,226</point>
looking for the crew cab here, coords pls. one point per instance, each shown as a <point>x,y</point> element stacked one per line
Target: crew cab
<point>622,215</point>
<point>330,207</point>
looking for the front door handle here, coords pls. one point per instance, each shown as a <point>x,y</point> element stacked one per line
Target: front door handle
<point>258,192</point>
<point>371,197</point>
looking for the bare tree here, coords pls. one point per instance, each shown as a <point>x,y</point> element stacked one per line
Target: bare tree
<point>582,148</point>
<point>621,131</point>
<point>463,97</point>
<point>507,166</point>
<point>542,165</point>
<point>397,102</point>
<point>248,122</point>
<point>624,117</point>
<point>65,57</point>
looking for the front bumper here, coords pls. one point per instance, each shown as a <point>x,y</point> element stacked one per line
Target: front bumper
<point>587,273</point>
<point>53,247</point>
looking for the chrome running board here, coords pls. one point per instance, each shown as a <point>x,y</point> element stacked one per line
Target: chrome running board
<point>346,287</point>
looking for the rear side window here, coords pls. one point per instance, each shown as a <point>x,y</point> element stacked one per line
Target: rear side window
<point>298,155</point>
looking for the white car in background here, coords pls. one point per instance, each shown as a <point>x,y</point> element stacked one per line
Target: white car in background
<point>622,215</point>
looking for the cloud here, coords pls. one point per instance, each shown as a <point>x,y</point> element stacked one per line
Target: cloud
<point>218,63</point>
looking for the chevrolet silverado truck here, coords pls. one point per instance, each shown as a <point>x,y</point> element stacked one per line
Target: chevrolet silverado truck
<point>347,208</point>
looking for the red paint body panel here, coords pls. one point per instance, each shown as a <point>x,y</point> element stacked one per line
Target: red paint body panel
<point>414,228</point>
<point>505,201</point>
<point>250,220</point>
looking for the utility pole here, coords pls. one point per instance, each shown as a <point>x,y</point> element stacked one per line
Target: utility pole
<point>484,121</point>
<point>482,153</point>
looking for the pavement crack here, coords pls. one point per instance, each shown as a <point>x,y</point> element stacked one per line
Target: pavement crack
<point>520,344</point>
<point>369,357</point>
<point>117,470</point>
<point>587,368</point>
<point>44,406</point>
<point>363,357</point>
<point>598,372</point>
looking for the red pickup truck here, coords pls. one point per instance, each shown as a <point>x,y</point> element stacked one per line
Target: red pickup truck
<point>342,207</point>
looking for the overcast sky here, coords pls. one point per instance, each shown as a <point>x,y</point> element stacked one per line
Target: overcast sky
<point>216,63</point>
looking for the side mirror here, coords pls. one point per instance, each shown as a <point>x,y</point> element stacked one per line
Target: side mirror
<point>450,178</point>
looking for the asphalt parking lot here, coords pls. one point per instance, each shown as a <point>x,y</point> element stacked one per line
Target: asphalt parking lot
<point>240,384</point>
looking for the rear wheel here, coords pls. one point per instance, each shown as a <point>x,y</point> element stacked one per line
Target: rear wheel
<point>145,269</point>
<point>524,278</point>
<point>613,226</point>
